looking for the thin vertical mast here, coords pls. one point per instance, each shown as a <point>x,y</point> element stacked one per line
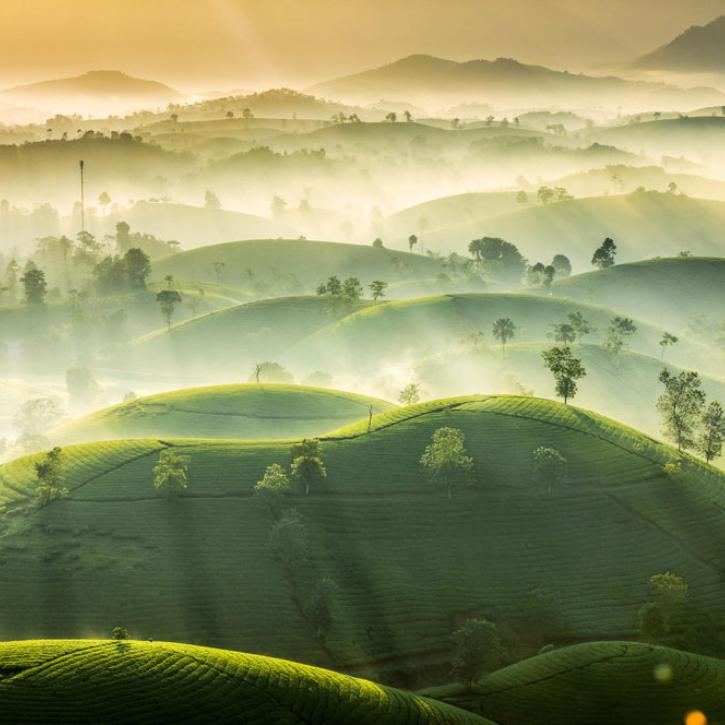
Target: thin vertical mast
<point>83,197</point>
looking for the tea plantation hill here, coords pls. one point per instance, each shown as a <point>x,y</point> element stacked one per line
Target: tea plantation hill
<point>224,411</point>
<point>644,224</point>
<point>308,263</point>
<point>599,683</point>
<point>401,330</point>
<point>199,568</point>
<point>86,682</point>
<point>667,292</point>
<point>233,340</point>
<point>624,387</point>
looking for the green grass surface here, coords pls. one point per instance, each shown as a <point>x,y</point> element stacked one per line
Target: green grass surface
<point>624,387</point>
<point>408,563</point>
<point>235,339</point>
<point>599,684</point>
<point>224,411</point>
<point>59,682</point>
<point>310,262</point>
<point>644,224</point>
<point>667,292</point>
<point>400,331</point>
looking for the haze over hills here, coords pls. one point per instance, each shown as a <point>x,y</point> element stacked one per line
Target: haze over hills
<point>104,91</point>
<point>423,78</point>
<point>700,48</point>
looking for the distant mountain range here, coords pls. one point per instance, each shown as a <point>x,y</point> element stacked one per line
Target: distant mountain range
<point>504,81</point>
<point>698,49</point>
<point>111,91</point>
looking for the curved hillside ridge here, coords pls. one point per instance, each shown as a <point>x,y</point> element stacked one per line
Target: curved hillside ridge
<point>80,681</point>
<point>408,329</point>
<point>275,305</point>
<point>598,683</point>
<point>601,451</point>
<point>625,388</point>
<point>375,524</point>
<point>667,291</point>
<point>310,262</point>
<point>244,412</point>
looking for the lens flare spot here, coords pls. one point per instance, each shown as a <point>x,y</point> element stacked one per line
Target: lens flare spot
<point>663,673</point>
<point>695,718</point>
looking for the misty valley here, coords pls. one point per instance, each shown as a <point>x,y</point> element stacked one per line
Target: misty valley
<point>392,397</point>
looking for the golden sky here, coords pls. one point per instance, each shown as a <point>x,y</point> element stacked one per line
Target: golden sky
<point>206,44</point>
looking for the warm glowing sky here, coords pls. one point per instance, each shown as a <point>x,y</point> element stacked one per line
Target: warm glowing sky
<point>242,43</point>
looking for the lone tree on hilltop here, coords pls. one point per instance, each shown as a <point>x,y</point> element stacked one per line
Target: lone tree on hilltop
<point>377,289</point>
<point>48,470</point>
<point>549,466</point>
<point>504,330</point>
<point>308,465</point>
<point>710,441</point>
<point>119,633</point>
<point>566,369</point>
<point>681,406</point>
<point>604,255</point>
<point>667,340</point>
<point>272,487</point>
<point>410,394</point>
<point>412,241</point>
<point>446,460</point>
<point>478,650</point>
<point>171,473</point>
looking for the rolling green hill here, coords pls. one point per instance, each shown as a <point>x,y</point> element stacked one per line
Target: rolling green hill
<point>199,568</point>
<point>599,684</point>
<point>643,224</point>
<point>233,340</point>
<point>624,387</point>
<point>402,331</point>
<point>223,411</point>
<point>306,262</point>
<point>429,216</point>
<point>135,683</point>
<point>667,292</point>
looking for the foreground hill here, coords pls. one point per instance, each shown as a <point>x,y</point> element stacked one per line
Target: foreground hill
<point>301,262</point>
<point>644,224</point>
<point>224,411</point>
<point>700,48</point>
<point>667,292</point>
<point>199,568</point>
<point>136,683</point>
<point>420,78</point>
<point>599,684</point>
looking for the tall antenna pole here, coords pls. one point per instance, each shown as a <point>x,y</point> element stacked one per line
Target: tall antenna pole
<point>83,196</point>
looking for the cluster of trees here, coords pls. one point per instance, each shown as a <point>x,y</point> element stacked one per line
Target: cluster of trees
<point>687,419</point>
<point>350,290</point>
<point>289,538</point>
